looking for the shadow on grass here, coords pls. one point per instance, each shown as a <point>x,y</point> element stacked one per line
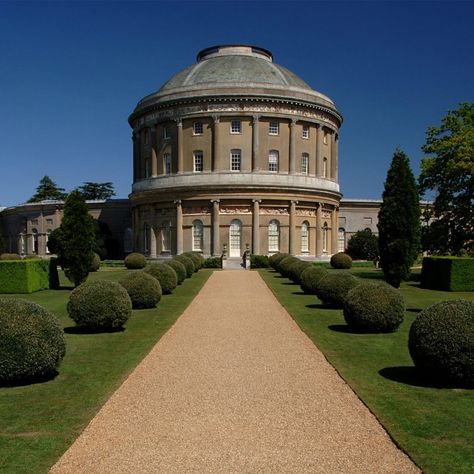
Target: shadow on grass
<point>412,376</point>
<point>86,330</point>
<point>29,380</point>
<point>66,287</point>
<point>344,328</point>
<point>299,293</point>
<point>290,283</point>
<point>371,275</point>
<point>316,306</point>
<point>414,310</point>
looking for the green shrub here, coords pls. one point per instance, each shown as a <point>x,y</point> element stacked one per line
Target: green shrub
<point>333,288</point>
<point>179,268</point>
<point>374,307</point>
<point>188,264</point>
<point>296,269</point>
<point>212,262</point>
<point>285,264</point>
<point>310,277</point>
<point>341,260</point>
<point>135,261</point>
<point>276,259</point>
<point>441,342</point>
<point>10,256</point>
<point>448,273</point>
<point>259,261</point>
<point>95,264</point>
<point>363,245</point>
<point>24,276</point>
<point>143,289</point>
<point>165,275</point>
<point>31,341</point>
<point>100,305</point>
<point>196,259</point>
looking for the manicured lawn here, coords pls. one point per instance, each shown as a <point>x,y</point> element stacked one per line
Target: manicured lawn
<point>433,425</point>
<point>40,421</point>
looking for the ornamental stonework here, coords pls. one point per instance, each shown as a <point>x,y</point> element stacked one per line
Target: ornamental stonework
<point>306,212</point>
<point>234,210</point>
<point>282,211</point>
<point>326,214</point>
<point>192,211</point>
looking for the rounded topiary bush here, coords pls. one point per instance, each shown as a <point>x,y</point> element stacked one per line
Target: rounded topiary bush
<point>310,277</point>
<point>100,305</point>
<point>31,341</point>
<point>143,289</point>
<point>296,269</point>
<point>285,264</point>
<point>333,288</point>
<point>95,264</point>
<point>135,261</point>
<point>196,259</point>
<point>188,264</point>
<point>341,260</point>
<point>10,256</point>
<point>165,275</point>
<point>441,342</point>
<point>179,268</point>
<point>374,307</point>
<point>277,258</point>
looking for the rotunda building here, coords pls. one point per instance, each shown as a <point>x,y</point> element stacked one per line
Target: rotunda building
<point>235,153</point>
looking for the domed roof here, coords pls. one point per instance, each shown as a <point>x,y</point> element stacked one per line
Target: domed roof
<point>235,71</point>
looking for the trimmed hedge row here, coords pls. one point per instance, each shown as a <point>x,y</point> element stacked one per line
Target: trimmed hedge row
<point>143,289</point>
<point>24,276</point>
<point>165,275</point>
<point>448,273</point>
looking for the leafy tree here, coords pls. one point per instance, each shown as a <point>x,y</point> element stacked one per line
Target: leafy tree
<point>48,189</point>
<point>97,191</point>
<point>449,171</point>
<point>75,239</point>
<point>399,221</point>
<point>363,245</point>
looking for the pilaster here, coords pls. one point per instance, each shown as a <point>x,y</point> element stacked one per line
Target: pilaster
<point>215,227</point>
<point>215,143</point>
<point>293,227</point>
<point>319,233</point>
<point>319,150</point>
<point>255,157</point>
<point>292,166</point>
<point>179,227</point>
<point>179,125</point>
<point>256,227</point>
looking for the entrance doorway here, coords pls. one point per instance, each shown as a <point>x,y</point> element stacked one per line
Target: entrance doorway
<point>235,232</point>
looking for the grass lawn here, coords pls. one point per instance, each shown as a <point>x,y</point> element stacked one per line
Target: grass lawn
<point>40,421</point>
<point>434,425</point>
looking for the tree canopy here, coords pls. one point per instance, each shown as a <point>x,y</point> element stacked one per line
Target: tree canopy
<point>363,245</point>
<point>97,191</point>
<point>48,189</point>
<point>448,170</point>
<point>399,221</point>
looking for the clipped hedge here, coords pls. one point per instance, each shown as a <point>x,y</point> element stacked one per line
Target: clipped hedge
<point>310,278</point>
<point>10,256</point>
<point>100,305</point>
<point>188,264</point>
<point>196,259</point>
<point>135,261</point>
<point>441,342</point>
<point>296,269</point>
<point>144,290</point>
<point>179,268</point>
<point>333,288</point>
<point>24,276</point>
<point>212,262</point>
<point>165,275</point>
<point>374,307</point>
<point>31,341</point>
<point>340,261</point>
<point>259,261</point>
<point>448,273</point>
<point>95,264</point>
<point>276,259</point>
<point>283,267</point>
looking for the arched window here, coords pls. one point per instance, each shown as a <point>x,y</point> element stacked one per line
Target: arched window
<point>273,236</point>
<point>235,237</point>
<point>167,163</point>
<point>235,160</point>
<point>341,239</point>
<point>304,163</point>
<point>305,237</point>
<point>128,240</point>
<point>166,237</point>
<point>197,235</point>
<point>273,161</point>
<point>325,167</point>
<point>146,238</point>
<point>325,237</point>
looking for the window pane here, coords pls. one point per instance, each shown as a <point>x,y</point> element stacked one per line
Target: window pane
<point>273,128</point>
<point>273,161</point>
<point>304,163</point>
<point>235,160</point>
<point>273,236</point>
<point>198,128</point>
<point>198,161</point>
<point>304,237</point>
<point>235,126</point>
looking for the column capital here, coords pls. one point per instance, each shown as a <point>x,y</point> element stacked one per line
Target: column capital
<point>177,202</point>
<point>257,200</point>
<point>216,118</point>
<point>255,118</point>
<point>179,121</point>
<point>217,201</point>
<point>292,122</point>
<point>293,201</point>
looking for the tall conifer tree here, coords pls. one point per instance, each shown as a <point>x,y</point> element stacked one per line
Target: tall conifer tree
<point>399,221</point>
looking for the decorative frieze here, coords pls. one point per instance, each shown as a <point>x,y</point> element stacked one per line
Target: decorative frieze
<point>235,210</point>
<point>282,211</point>
<point>191,211</point>
<point>306,212</point>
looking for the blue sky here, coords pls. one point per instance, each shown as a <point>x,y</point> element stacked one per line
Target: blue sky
<point>72,72</point>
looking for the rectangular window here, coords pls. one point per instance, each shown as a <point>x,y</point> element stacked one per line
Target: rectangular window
<point>273,128</point>
<point>304,163</point>
<point>325,137</point>
<point>198,160</point>
<point>273,161</point>
<point>235,126</point>
<point>166,132</point>
<point>167,163</point>
<point>305,133</point>
<point>197,128</point>
<point>235,160</point>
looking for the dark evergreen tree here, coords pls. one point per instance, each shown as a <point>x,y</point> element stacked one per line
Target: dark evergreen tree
<point>399,221</point>
<point>97,191</point>
<point>48,189</point>
<point>76,239</point>
<point>363,245</point>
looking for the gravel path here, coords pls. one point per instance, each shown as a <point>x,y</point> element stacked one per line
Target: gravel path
<point>234,387</point>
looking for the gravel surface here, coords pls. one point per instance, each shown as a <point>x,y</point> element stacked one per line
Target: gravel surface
<point>234,387</point>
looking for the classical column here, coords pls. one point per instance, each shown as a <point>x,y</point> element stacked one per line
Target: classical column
<point>335,230</point>
<point>179,124</point>
<point>179,227</point>
<point>215,143</point>
<point>334,156</point>
<point>152,239</point>
<point>319,150</point>
<point>256,226</point>
<point>319,226</point>
<point>292,166</point>
<point>215,227</point>
<point>292,227</point>
<point>154,154</point>
<point>135,156</point>
<point>255,156</point>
